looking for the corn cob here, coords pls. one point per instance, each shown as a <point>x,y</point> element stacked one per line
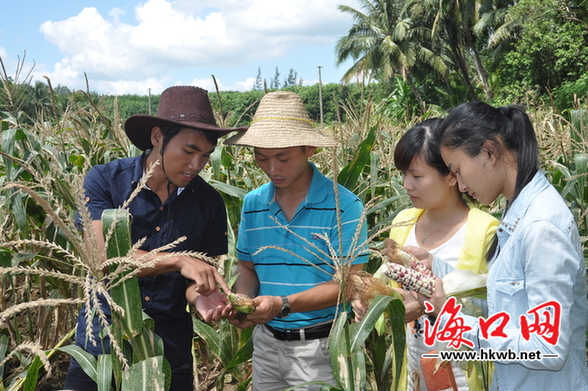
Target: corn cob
<point>420,267</point>
<point>241,302</point>
<point>409,278</point>
<point>361,285</point>
<point>395,254</point>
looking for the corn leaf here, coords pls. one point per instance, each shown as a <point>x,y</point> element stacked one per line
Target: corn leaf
<point>348,366</point>
<point>86,360</point>
<point>146,375</point>
<point>349,175</point>
<point>208,334</point>
<point>127,294</point>
<point>104,372</point>
<point>30,382</point>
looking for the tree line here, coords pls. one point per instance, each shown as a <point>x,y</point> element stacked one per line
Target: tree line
<point>410,56</point>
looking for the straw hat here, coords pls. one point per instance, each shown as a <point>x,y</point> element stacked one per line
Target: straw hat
<point>186,106</point>
<point>281,121</point>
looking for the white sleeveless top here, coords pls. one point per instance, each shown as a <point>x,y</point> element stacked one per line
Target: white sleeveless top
<point>448,251</point>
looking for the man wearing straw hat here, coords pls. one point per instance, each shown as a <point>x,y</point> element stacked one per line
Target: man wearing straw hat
<point>296,213</point>
<point>174,202</point>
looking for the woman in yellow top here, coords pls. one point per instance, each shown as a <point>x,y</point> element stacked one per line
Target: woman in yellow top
<point>442,223</point>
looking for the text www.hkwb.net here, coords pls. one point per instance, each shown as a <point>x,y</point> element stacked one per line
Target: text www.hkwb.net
<point>490,355</point>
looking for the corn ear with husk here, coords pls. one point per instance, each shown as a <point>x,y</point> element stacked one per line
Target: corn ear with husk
<point>464,283</point>
<point>415,277</point>
<point>241,302</point>
<point>363,286</point>
<point>394,253</point>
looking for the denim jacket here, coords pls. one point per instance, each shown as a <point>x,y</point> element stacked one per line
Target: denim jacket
<point>539,260</point>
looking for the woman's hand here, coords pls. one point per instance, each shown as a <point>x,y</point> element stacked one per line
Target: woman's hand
<point>360,308</point>
<point>422,255</point>
<point>413,309</point>
<point>436,302</point>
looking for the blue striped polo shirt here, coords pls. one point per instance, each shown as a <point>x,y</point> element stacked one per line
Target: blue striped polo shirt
<point>281,273</point>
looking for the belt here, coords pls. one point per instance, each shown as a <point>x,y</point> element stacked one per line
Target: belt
<point>308,333</point>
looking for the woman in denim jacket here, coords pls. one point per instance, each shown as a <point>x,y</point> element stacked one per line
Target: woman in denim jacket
<point>536,289</point>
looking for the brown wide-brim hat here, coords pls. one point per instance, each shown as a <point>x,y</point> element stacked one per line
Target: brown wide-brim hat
<point>186,106</point>
<point>281,121</point>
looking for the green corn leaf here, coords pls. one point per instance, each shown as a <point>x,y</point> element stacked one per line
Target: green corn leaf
<point>104,372</point>
<point>30,382</point>
<point>349,175</point>
<point>215,161</point>
<point>127,294</point>
<point>377,308</point>
<point>228,342</point>
<point>147,344</point>
<point>242,355</point>
<point>145,375</point>
<point>228,189</point>
<point>135,326</point>
<point>208,334</point>
<point>86,360</point>
<point>349,367</point>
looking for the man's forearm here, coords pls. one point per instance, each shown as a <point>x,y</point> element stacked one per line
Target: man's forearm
<point>247,282</point>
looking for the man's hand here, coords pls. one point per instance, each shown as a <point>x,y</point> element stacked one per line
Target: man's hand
<point>205,276</point>
<point>266,308</point>
<point>212,307</point>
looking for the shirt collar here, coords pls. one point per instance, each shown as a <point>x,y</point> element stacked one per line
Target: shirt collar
<point>138,169</point>
<point>519,206</point>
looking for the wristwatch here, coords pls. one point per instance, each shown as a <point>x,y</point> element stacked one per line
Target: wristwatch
<point>285,311</point>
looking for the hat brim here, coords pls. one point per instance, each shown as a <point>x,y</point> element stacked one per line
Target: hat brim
<point>280,132</point>
<point>285,139</point>
<point>138,128</point>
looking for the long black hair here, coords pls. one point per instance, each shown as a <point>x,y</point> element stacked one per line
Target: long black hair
<point>469,125</point>
<point>421,141</point>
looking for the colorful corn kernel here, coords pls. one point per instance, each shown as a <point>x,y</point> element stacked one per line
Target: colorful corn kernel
<point>411,279</point>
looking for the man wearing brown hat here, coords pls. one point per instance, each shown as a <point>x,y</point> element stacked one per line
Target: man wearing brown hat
<point>296,213</point>
<point>174,202</point>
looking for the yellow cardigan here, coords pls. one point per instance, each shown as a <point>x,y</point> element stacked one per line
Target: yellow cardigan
<point>479,233</point>
<point>480,230</point>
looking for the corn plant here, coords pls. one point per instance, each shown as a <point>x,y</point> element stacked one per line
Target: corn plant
<point>232,347</point>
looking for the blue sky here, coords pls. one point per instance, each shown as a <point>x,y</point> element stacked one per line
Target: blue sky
<point>129,47</point>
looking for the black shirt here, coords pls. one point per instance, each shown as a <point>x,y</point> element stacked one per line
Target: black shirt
<point>196,212</point>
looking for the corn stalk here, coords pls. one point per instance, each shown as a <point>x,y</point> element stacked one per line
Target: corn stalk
<point>149,369</point>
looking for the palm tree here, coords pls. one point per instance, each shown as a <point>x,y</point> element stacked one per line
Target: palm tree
<point>38,105</point>
<point>382,43</point>
<point>452,32</point>
<point>498,25</point>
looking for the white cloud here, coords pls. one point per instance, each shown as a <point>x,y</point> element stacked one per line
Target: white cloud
<point>137,87</point>
<point>177,35</point>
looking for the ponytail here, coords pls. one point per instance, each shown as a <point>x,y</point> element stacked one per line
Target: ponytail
<point>469,125</point>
